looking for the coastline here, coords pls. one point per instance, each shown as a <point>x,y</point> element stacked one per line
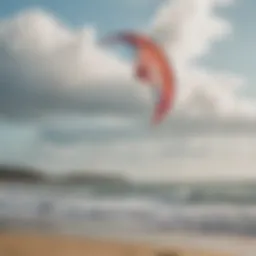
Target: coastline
<point>183,244</point>
<point>35,244</point>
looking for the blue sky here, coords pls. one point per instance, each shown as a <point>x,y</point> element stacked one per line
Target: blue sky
<point>237,53</point>
<point>67,103</point>
<point>105,15</point>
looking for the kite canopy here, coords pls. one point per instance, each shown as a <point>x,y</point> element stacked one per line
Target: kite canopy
<point>152,67</point>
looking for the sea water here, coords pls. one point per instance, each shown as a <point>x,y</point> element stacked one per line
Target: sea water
<point>215,208</point>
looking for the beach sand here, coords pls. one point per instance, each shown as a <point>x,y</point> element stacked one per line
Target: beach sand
<point>18,244</point>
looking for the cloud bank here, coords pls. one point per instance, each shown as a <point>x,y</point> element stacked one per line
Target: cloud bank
<point>88,111</point>
<point>50,68</point>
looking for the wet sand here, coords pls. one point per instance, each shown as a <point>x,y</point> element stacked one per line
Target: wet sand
<point>18,244</point>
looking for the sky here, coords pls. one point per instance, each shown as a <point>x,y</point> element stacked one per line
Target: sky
<point>67,103</point>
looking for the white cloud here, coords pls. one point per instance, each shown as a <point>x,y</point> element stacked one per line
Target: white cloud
<point>49,67</point>
<point>188,30</point>
<point>175,158</point>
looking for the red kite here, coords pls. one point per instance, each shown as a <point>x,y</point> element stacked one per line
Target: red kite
<point>152,67</point>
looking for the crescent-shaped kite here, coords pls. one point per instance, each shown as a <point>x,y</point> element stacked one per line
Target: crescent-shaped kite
<point>152,67</point>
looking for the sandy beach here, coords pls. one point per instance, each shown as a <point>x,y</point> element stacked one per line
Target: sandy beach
<point>13,244</point>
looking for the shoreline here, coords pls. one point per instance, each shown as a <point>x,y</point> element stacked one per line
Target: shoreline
<point>187,242</point>
<point>35,244</point>
<point>183,244</point>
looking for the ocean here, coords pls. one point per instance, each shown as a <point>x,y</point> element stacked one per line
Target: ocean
<point>207,208</point>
